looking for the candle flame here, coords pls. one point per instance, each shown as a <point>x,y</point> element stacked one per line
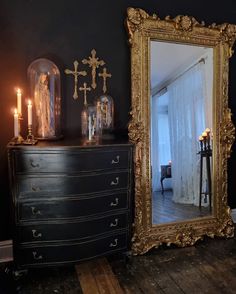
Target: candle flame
<point>29,102</point>
<point>15,111</point>
<point>18,91</point>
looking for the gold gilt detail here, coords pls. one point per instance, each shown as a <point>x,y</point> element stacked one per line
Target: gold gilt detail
<point>228,131</point>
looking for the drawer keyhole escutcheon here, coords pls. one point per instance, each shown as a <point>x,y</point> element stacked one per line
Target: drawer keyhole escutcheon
<point>35,211</point>
<point>36,234</point>
<point>115,223</point>
<point>33,164</point>
<point>36,256</point>
<point>116,182</point>
<point>114,244</point>
<point>115,203</point>
<point>115,161</point>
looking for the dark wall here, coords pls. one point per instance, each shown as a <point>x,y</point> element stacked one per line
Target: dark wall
<point>68,30</point>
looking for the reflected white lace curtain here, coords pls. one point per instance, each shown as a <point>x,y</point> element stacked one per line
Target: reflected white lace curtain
<point>160,140</point>
<point>188,111</point>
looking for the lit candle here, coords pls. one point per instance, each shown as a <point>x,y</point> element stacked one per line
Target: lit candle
<point>90,127</point>
<point>18,94</point>
<point>16,123</point>
<point>29,113</point>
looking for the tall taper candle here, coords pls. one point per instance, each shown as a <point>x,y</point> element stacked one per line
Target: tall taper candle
<point>29,113</point>
<point>16,123</point>
<point>18,94</point>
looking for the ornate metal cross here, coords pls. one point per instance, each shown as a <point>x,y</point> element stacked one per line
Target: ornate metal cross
<point>75,73</point>
<point>104,75</point>
<point>85,89</point>
<point>94,63</point>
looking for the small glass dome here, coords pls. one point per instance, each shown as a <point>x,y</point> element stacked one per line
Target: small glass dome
<point>45,91</point>
<point>105,114</point>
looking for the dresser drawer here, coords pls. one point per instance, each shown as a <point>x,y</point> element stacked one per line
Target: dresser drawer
<point>57,186</point>
<point>71,252</point>
<point>72,230</point>
<point>70,162</point>
<point>71,208</point>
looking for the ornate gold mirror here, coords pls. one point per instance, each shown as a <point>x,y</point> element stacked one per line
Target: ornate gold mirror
<point>181,127</point>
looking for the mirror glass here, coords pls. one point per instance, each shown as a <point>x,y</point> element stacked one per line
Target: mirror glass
<point>181,81</point>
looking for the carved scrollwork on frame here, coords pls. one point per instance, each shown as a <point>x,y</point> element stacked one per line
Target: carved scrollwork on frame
<point>142,28</point>
<point>228,131</point>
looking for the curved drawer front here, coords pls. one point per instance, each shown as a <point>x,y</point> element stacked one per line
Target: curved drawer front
<point>70,162</point>
<point>43,255</point>
<point>70,208</point>
<point>56,186</point>
<point>75,230</point>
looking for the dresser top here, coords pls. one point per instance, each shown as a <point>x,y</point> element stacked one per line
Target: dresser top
<point>67,143</point>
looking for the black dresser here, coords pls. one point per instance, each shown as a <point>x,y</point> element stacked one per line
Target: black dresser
<point>70,202</point>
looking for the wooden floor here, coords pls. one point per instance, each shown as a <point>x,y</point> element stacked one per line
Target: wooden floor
<point>207,267</point>
<point>165,210</point>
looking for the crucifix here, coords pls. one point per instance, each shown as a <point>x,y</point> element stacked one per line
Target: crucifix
<point>75,73</point>
<point>104,75</point>
<point>94,63</point>
<point>85,89</point>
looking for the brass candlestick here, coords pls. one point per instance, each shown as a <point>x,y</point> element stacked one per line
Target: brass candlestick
<point>30,140</point>
<point>20,120</point>
<point>17,140</point>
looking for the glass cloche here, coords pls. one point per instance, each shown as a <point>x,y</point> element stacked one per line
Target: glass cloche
<point>105,115</point>
<point>45,91</point>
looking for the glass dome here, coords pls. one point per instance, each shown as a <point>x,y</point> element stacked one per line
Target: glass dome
<point>45,91</point>
<point>105,114</point>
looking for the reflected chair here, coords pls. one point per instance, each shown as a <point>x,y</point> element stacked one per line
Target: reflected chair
<point>165,173</point>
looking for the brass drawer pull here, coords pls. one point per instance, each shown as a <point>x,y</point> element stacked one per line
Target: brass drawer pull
<point>36,256</point>
<point>36,234</point>
<point>114,244</point>
<point>35,211</point>
<point>115,223</point>
<point>33,164</point>
<point>115,203</point>
<point>116,182</point>
<point>35,188</point>
<point>115,161</point>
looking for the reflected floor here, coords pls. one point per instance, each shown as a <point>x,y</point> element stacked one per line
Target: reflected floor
<point>165,210</point>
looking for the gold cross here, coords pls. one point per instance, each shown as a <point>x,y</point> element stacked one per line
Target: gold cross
<point>94,63</point>
<point>85,89</point>
<point>75,73</point>
<point>104,75</point>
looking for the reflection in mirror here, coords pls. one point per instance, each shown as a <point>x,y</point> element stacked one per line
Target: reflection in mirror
<point>181,131</point>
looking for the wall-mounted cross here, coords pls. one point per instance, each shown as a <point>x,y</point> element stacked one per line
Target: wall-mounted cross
<point>94,63</point>
<point>104,74</point>
<point>75,73</point>
<point>85,89</point>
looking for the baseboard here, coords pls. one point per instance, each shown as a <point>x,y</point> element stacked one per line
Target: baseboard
<point>6,252</point>
<point>233,214</point>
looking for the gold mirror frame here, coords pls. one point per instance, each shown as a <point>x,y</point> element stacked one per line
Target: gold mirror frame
<point>142,28</point>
